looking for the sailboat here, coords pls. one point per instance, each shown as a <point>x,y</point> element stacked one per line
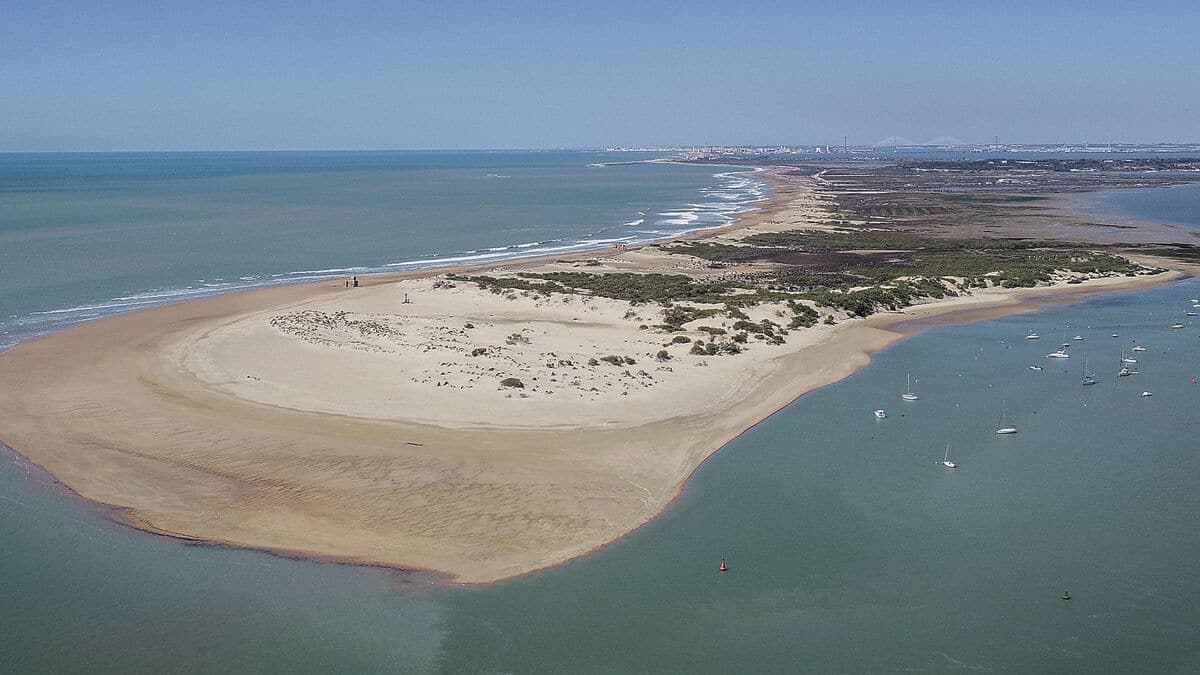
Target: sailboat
<point>1003,429</point>
<point>946,460</point>
<point>1125,361</point>
<point>908,394</point>
<point>1032,336</point>
<point>1139,348</point>
<point>1088,378</point>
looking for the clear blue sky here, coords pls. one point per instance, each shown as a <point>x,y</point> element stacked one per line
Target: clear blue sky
<point>343,75</point>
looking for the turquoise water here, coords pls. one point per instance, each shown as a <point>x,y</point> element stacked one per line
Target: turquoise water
<point>83,236</point>
<point>851,548</point>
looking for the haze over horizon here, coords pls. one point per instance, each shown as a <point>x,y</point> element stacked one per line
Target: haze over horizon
<point>127,76</point>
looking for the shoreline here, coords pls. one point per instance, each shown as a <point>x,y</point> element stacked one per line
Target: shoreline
<point>848,348</point>
<point>416,268</point>
<point>1089,204</point>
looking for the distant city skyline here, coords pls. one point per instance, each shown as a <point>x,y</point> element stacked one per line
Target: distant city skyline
<point>273,76</point>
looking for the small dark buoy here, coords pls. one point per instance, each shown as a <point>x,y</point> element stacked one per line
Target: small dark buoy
<point>723,567</point>
<point>1066,595</point>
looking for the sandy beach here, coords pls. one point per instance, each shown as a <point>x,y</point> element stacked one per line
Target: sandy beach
<point>372,425</point>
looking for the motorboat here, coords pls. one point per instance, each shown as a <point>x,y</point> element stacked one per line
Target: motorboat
<point>1061,353</point>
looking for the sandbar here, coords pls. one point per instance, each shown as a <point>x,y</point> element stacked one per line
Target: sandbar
<point>347,424</point>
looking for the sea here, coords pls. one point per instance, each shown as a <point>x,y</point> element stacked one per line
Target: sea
<point>850,548</point>
<point>1175,205</point>
<point>85,235</point>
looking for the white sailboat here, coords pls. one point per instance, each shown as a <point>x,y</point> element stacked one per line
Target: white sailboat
<point>1139,348</point>
<point>946,460</point>
<point>1088,378</point>
<point>1125,371</point>
<point>908,394</point>
<point>1003,428</point>
<point>880,414</point>
<point>1032,336</point>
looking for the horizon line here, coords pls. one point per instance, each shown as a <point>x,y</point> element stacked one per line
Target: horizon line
<point>627,148</point>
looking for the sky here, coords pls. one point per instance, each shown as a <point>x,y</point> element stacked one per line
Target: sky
<point>112,76</point>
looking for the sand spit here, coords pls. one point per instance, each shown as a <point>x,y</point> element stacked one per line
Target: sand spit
<point>345,423</point>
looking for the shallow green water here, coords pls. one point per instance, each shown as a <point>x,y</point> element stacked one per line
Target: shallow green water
<point>84,236</point>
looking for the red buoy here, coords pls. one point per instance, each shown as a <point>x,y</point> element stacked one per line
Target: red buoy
<point>723,567</point>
